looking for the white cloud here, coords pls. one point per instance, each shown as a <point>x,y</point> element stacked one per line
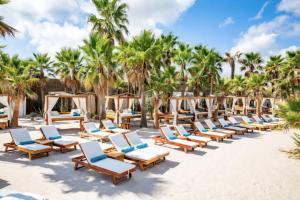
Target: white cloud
<point>262,37</point>
<point>260,12</point>
<point>228,21</point>
<point>291,6</point>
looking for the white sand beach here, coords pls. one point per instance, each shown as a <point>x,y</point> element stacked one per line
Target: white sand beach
<point>246,167</point>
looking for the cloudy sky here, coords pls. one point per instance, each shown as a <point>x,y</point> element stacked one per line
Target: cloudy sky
<point>270,27</point>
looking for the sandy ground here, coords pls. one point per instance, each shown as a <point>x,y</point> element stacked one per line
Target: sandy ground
<point>246,167</point>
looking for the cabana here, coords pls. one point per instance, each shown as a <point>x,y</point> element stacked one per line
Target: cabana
<point>124,107</point>
<point>79,114</point>
<point>270,104</point>
<point>236,108</point>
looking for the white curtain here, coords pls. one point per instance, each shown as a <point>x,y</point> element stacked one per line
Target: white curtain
<point>225,103</point>
<point>179,103</point>
<point>116,104</point>
<point>272,102</point>
<point>175,119</point>
<point>130,103</point>
<point>244,106</point>
<point>234,100</point>
<point>5,101</point>
<point>173,105</point>
<point>209,106</point>
<point>192,105</point>
<point>121,100</point>
<point>80,102</point>
<point>106,103</point>
<point>51,103</point>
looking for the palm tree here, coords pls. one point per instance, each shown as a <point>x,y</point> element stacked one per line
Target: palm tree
<point>5,29</point>
<point>256,85</point>
<point>17,82</point>
<point>237,86</point>
<point>96,74</point>
<point>139,58</point>
<point>210,63</point>
<point>183,58</point>
<point>112,20</point>
<point>198,80</point>
<point>39,67</point>
<point>251,63</point>
<point>167,47</point>
<point>67,65</point>
<point>230,59</point>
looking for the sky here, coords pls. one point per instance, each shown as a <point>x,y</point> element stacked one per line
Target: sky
<point>269,27</point>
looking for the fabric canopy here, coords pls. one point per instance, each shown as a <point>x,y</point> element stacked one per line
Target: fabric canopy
<point>51,103</point>
<point>209,104</point>
<point>80,102</point>
<point>233,104</point>
<point>5,101</point>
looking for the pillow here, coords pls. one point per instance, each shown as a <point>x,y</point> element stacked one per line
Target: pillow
<point>98,158</point>
<point>55,137</point>
<point>1,112</point>
<point>173,137</point>
<point>95,130</point>
<point>111,127</point>
<point>54,113</point>
<point>186,134</point>
<point>204,130</point>
<point>214,128</point>
<point>127,149</point>
<point>27,142</point>
<point>226,126</point>
<point>76,114</point>
<point>142,145</point>
<point>76,111</point>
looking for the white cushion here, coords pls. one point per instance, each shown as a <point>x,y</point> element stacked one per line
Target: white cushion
<point>185,142</point>
<point>63,142</point>
<point>119,141</point>
<point>54,113</point>
<point>50,131</point>
<point>199,138</point>
<point>20,135</point>
<point>114,165</point>
<point>34,147</point>
<point>141,155</point>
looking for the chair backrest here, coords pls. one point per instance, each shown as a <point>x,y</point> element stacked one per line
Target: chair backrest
<point>210,124</point>
<point>181,130</point>
<point>90,126</point>
<point>233,120</point>
<point>133,138</point>
<point>246,119</point>
<point>223,122</point>
<point>91,149</point>
<point>49,131</point>
<point>108,123</point>
<point>265,118</point>
<point>199,126</point>
<point>274,118</point>
<point>257,118</point>
<point>20,135</point>
<point>119,141</point>
<point>167,132</point>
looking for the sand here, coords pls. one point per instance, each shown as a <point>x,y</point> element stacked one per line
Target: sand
<point>246,167</point>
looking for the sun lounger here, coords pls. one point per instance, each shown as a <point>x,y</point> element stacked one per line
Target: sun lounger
<point>273,120</point>
<point>200,130</point>
<point>96,160</point>
<point>234,122</point>
<point>170,138</point>
<point>51,133</point>
<point>202,141</point>
<point>261,121</point>
<point>24,143</point>
<point>142,158</point>
<point>225,125</point>
<point>91,130</point>
<point>213,127</point>
<point>135,141</point>
<point>248,121</point>
<point>110,126</point>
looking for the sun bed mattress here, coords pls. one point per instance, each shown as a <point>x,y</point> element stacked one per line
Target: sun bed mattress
<point>114,165</point>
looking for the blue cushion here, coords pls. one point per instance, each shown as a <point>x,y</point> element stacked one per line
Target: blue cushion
<point>76,114</point>
<point>173,137</point>
<point>215,128</point>
<point>127,149</point>
<point>236,124</point>
<point>27,142</point>
<point>95,130</point>
<point>98,158</point>
<point>250,122</point>
<point>186,134</point>
<point>112,127</point>
<point>142,145</point>
<point>54,137</point>
<point>204,130</point>
<point>226,126</point>
<point>1,112</point>
<point>133,112</point>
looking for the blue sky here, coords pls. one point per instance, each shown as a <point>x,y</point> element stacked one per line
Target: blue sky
<point>270,27</point>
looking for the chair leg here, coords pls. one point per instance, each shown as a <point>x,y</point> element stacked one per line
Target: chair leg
<point>30,156</point>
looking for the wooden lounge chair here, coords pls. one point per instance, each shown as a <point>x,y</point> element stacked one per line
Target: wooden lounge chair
<point>274,120</point>
<point>135,141</point>
<point>142,158</point>
<point>225,125</point>
<point>91,130</point>
<point>202,141</point>
<point>22,142</point>
<point>200,130</point>
<point>96,160</point>
<point>170,138</point>
<point>51,133</point>
<point>248,121</point>
<point>261,121</point>
<point>110,126</point>
<point>248,127</point>
<point>213,127</point>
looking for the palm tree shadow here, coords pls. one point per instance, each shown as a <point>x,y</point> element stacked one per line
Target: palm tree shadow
<point>3,183</point>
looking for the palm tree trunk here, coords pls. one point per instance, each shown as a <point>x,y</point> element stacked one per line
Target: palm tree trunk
<point>42,92</point>
<point>155,108</point>
<point>143,106</point>
<point>15,118</point>
<point>232,71</point>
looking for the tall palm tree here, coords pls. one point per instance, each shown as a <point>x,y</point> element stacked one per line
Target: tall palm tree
<point>67,65</point>
<point>41,68</point>
<point>17,82</point>
<point>97,53</point>
<point>167,45</point>
<point>231,59</point>
<point>198,80</point>
<point>183,58</point>
<point>251,63</point>
<point>5,29</point>
<point>112,20</point>
<point>139,58</point>
<point>237,86</point>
